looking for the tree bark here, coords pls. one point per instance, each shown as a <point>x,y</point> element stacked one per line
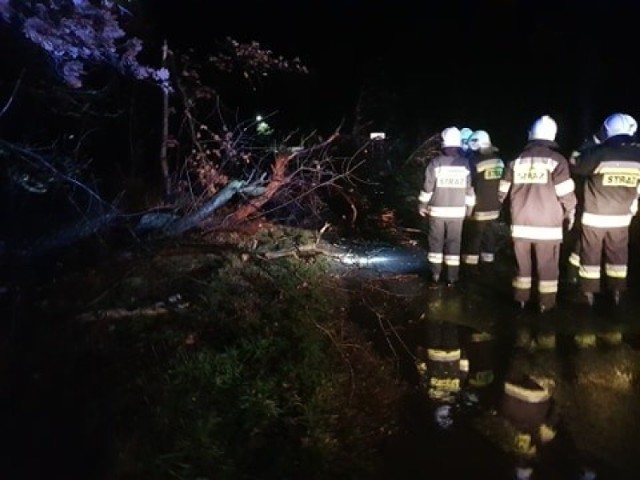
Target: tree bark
<point>75,233</point>
<point>278,179</point>
<point>164,163</point>
<point>195,219</point>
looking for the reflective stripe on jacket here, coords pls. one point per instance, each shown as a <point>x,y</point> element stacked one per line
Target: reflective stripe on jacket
<point>540,189</point>
<point>486,172</point>
<point>447,189</point>
<point>612,174</point>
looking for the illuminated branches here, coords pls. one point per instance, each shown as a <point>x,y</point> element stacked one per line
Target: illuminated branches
<point>274,173</point>
<point>252,60</point>
<point>79,34</point>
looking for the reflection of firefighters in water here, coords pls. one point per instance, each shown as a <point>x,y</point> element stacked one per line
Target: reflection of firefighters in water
<point>479,352</point>
<point>524,421</point>
<point>456,370</point>
<point>453,371</point>
<point>527,405</point>
<point>523,417</point>
<point>442,369</point>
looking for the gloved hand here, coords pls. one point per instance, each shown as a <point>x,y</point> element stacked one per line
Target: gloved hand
<point>423,210</point>
<point>468,211</point>
<point>570,217</point>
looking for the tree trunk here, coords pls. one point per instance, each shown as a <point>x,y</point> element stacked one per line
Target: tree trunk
<point>74,233</point>
<point>164,164</point>
<point>195,219</point>
<point>278,179</point>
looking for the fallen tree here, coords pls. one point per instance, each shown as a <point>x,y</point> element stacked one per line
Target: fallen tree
<point>216,171</point>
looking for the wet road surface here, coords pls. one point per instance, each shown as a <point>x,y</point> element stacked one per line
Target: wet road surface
<point>587,359</point>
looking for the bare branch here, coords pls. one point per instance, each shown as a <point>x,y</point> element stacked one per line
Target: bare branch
<point>13,94</point>
<point>164,164</point>
<point>40,160</point>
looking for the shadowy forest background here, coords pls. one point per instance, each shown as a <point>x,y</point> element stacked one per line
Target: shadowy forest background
<point>103,121</point>
<point>82,88</point>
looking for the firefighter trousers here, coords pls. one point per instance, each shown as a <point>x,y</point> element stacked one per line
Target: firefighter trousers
<point>614,244</point>
<point>572,239</point>
<point>444,242</point>
<point>544,257</point>
<point>479,243</point>
<point>573,268</point>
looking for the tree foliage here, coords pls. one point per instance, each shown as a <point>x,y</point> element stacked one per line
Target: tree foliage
<point>77,35</point>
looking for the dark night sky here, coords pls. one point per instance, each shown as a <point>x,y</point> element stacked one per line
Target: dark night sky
<point>486,64</point>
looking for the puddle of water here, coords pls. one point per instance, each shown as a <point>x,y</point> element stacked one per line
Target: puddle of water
<point>587,360</point>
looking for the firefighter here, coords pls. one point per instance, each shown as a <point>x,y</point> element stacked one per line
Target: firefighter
<point>576,156</point>
<point>447,196</point>
<point>479,229</point>
<point>541,195</point>
<point>611,172</point>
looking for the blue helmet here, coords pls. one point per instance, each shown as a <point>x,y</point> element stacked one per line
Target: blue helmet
<point>465,134</point>
<point>479,139</point>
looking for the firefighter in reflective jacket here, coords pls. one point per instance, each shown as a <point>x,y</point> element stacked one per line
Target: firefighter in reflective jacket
<point>486,172</point>
<point>611,172</point>
<point>541,195</point>
<point>447,196</point>
<point>594,141</point>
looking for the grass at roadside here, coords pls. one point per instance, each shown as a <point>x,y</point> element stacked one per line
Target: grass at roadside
<point>260,376</point>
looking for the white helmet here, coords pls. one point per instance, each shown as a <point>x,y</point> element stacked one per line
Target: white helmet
<point>633,125</point>
<point>620,124</point>
<point>479,139</point>
<point>544,128</point>
<point>451,137</point>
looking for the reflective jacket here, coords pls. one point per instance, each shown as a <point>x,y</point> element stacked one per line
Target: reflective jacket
<point>447,191</point>
<point>612,171</point>
<point>540,190</point>
<point>486,172</point>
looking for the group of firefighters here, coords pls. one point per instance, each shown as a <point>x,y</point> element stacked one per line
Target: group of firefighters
<point>467,185</point>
